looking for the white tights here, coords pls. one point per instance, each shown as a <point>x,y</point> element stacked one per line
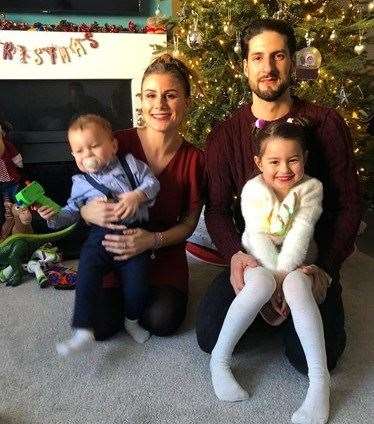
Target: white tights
<point>259,287</point>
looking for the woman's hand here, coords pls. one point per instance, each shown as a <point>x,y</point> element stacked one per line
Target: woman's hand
<point>131,243</point>
<point>320,281</point>
<point>101,212</point>
<point>239,262</point>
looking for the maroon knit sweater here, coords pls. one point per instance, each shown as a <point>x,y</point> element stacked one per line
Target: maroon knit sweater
<point>229,164</point>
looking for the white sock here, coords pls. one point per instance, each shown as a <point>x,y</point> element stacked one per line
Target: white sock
<point>297,288</point>
<point>82,339</point>
<point>138,333</point>
<point>258,289</point>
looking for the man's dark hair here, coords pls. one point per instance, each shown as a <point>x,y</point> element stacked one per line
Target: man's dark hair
<point>258,26</point>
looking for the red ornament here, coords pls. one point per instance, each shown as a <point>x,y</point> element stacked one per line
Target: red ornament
<point>65,26</point>
<point>132,27</point>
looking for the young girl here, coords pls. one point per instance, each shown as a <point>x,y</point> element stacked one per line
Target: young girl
<point>133,186</point>
<point>281,207</point>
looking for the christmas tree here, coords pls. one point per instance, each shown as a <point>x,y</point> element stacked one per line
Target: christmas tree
<point>205,34</point>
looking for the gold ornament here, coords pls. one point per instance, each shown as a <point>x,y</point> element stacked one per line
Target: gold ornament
<point>175,46</point>
<point>228,28</point>
<point>194,37</point>
<point>333,35</point>
<point>308,61</point>
<point>237,47</point>
<point>371,6</point>
<point>360,48</point>
<point>343,96</point>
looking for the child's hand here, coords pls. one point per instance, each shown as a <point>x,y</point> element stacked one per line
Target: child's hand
<point>46,212</point>
<point>129,203</point>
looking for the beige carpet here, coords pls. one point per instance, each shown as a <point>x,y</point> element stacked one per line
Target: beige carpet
<point>167,381</point>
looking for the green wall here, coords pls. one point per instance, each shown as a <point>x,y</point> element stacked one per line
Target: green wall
<point>165,7</point>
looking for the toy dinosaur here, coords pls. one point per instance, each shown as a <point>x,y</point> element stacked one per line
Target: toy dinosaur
<point>18,249</point>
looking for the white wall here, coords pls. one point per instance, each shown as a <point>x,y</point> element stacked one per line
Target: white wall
<point>117,56</point>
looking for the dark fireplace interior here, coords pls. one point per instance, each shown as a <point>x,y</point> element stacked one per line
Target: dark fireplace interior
<point>39,112</point>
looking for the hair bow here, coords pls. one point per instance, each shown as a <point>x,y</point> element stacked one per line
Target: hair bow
<point>260,123</point>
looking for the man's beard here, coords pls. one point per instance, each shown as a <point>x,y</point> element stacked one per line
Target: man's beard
<point>270,95</point>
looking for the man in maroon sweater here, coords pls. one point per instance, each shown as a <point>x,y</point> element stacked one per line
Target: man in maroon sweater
<point>268,48</point>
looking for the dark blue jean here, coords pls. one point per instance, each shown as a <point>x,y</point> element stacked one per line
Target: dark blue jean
<point>94,263</point>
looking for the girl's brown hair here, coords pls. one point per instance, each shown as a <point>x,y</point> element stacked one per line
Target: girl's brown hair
<point>299,130</point>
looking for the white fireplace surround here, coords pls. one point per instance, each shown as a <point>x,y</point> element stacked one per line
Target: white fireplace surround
<point>117,56</point>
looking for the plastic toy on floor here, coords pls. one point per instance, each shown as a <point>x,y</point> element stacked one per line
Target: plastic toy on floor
<point>18,249</point>
<point>61,277</point>
<point>41,259</point>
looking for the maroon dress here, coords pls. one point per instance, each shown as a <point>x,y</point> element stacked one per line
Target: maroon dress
<point>180,194</point>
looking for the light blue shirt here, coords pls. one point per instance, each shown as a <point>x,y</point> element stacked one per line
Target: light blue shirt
<point>115,179</point>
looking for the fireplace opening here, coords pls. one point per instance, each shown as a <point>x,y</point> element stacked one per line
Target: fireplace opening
<point>39,112</point>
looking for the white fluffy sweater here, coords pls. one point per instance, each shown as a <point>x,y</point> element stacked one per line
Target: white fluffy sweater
<point>277,233</point>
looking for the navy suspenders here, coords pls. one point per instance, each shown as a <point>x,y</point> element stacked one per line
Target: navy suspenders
<point>105,190</point>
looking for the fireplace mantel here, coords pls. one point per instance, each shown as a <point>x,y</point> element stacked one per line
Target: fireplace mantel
<point>68,55</point>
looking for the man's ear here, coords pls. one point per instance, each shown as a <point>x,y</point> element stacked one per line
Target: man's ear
<point>245,67</point>
<point>293,68</point>
<point>257,160</point>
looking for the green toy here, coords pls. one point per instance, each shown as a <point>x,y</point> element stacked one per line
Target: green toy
<point>18,249</point>
<point>34,193</point>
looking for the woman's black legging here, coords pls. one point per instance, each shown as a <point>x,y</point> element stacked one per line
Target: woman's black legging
<point>163,315</point>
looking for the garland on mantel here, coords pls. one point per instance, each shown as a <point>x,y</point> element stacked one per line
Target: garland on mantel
<point>66,26</point>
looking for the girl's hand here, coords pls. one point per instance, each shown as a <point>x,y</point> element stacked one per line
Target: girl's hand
<point>102,213</point>
<point>131,243</point>
<point>46,212</point>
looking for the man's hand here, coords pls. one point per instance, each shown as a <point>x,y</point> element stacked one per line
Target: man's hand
<point>239,262</point>
<point>320,281</point>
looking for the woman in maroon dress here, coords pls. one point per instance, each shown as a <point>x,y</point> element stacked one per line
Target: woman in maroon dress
<point>178,165</point>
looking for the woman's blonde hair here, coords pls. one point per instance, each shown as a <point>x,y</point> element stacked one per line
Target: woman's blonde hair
<point>167,64</point>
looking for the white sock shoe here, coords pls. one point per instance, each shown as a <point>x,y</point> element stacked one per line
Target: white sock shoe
<point>82,339</point>
<point>224,383</point>
<point>316,406</point>
<point>138,333</point>
<point>308,324</point>
<point>258,288</point>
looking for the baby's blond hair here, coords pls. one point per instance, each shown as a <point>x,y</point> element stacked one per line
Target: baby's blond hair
<point>83,121</point>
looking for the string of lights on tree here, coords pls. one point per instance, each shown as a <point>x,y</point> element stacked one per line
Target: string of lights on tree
<point>331,61</point>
